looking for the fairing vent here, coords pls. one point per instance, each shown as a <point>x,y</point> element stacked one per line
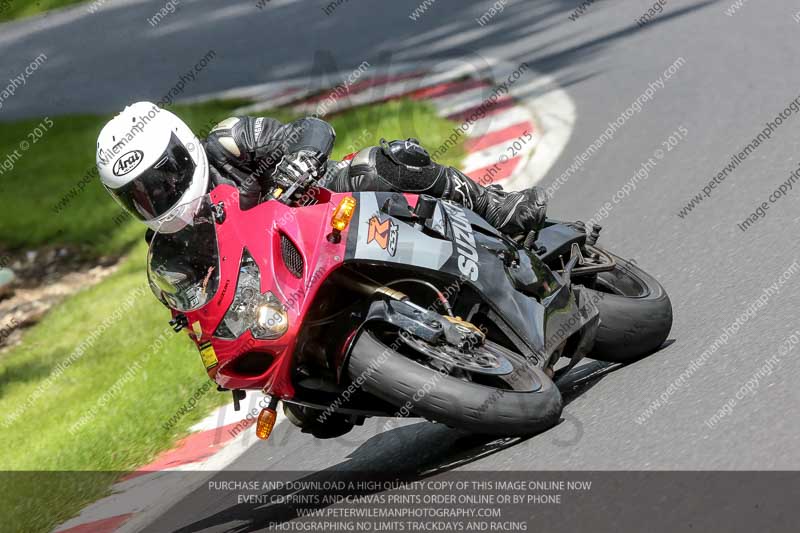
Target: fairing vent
<point>291,257</point>
<point>250,364</point>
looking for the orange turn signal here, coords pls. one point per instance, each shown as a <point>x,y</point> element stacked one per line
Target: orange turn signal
<point>343,213</point>
<point>266,423</point>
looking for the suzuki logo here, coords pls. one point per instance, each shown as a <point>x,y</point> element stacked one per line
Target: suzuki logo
<point>465,241</point>
<point>385,233</point>
<point>128,162</point>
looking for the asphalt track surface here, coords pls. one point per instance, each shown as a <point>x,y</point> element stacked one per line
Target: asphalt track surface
<point>740,72</point>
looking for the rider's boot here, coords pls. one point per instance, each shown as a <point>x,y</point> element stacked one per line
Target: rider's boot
<point>512,212</point>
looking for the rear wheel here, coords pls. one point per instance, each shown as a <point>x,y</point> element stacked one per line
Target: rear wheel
<point>489,390</point>
<point>635,314</point>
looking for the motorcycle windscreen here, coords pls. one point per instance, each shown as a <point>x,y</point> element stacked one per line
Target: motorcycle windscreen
<point>183,265</point>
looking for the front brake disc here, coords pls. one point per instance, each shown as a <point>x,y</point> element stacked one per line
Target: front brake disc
<point>481,360</point>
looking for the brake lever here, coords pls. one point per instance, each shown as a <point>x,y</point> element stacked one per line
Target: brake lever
<point>290,192</point>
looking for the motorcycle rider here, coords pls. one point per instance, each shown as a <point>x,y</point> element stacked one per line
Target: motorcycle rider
<point>150,161</point>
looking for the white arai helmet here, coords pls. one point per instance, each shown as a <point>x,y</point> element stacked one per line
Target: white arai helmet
<point>151,162</point>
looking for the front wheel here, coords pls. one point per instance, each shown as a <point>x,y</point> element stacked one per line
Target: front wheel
<point>635,314</point>
<point>501,394</point>
<point>312,421</point>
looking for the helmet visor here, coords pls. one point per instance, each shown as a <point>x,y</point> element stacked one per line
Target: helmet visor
<point>159,188</point>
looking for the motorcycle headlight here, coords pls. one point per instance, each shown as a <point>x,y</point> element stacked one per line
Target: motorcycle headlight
<point>272,321</point>
<point>263,314</point>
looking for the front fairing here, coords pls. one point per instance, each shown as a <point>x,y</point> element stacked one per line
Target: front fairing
<point>264,233</point>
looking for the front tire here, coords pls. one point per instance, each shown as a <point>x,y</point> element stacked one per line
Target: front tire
<point>401,380</point>
<point>308,420</point>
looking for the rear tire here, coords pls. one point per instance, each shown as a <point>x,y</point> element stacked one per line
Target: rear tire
<point>635,314</point>
<point>484,409</point>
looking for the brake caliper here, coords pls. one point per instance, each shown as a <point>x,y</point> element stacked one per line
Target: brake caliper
<point>471,336</point>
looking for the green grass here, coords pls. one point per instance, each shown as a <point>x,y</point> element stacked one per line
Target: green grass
<point>128,428</point>
<point>15,9</point>
<point>394,120</point>
<point>126,431</point>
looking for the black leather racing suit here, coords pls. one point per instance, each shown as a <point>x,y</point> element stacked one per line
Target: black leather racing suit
<point>248,151</point>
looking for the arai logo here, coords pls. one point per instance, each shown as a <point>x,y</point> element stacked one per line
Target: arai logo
<point>128,162</point>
